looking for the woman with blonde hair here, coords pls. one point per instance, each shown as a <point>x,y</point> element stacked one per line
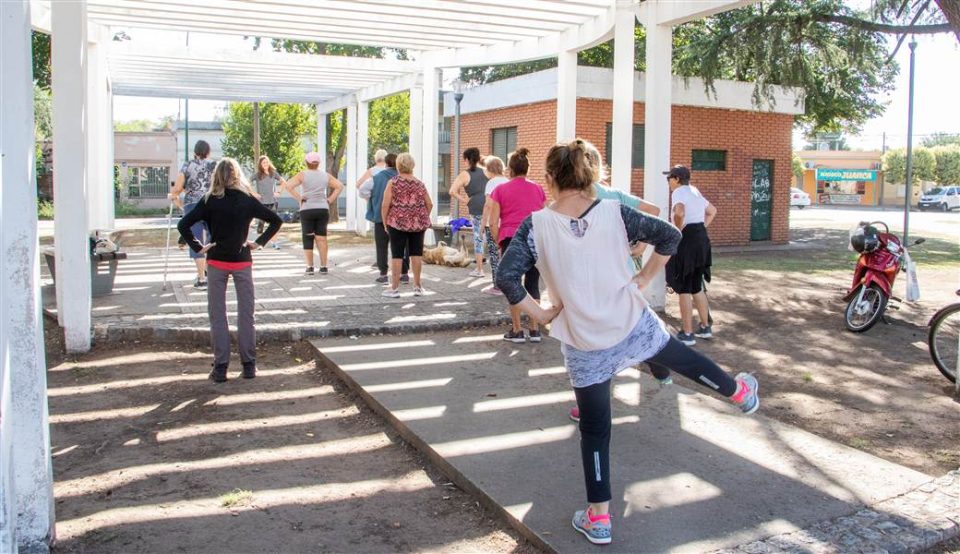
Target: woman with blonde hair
<point>493,170</point>
<point>319,191</point>
<point>227,209</point>
<point>600,317</point>
<point>406,212</point>
<point>266,181</point>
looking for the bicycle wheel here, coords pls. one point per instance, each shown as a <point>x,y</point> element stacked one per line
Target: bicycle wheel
<point>944,340</point>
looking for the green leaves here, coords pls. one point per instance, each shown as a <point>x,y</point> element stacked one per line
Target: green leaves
<point>283,128</point>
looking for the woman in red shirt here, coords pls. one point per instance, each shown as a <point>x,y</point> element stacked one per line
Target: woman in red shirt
<point>406,212</point>
<point>510,204</point>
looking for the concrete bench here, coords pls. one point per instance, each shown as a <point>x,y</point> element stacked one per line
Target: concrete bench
<point>103,269</point>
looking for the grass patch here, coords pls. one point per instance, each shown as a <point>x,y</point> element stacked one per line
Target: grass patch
<point>807,377</point>
<point>127,209</point>
<point>859,443</point>
<point>44,209</point>
<point>236,497</point>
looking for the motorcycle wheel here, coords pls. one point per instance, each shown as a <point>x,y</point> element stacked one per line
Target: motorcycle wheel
<point>861,316</point>
<point>944,340</point>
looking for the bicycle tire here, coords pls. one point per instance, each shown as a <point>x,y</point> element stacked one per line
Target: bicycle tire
<point>935,324</point>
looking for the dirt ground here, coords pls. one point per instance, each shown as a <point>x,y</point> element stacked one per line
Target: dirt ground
<point>151,457</point>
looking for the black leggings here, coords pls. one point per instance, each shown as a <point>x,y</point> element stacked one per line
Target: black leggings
<point>594,405</point>
<point>313,222</point>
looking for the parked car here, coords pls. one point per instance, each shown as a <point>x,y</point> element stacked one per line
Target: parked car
<point>288,209</point>
<point>941,198</point>
<point>799,198</point>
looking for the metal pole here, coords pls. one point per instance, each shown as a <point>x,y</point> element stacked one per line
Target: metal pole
<point>907,201</point>
<point>456,149</point>
<point>186,120</point>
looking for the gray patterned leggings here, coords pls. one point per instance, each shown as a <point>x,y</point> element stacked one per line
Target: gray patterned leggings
<point>217,309</point>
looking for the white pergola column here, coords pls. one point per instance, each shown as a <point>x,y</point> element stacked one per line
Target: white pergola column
<point>322,137</point>
<point>26,477</point>
<point>415,145</point>
<point>100,132</point>
<point>70,139</point>
<point>350,158</point>
<point>431,109</point>
<point>621,146</point>
<point>657,119</point>
<point>363,161</point>
<point>567,95</point>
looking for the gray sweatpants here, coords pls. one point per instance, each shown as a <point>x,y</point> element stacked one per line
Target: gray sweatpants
<point>217,309</point>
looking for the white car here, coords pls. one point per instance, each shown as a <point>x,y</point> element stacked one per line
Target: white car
<point>941,198</point>
<point>799,198</point>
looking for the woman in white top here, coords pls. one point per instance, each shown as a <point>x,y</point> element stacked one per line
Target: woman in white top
<point>690,268</point>
<point>493,170</point>
<point>604,325</point>
<point>319,191</point>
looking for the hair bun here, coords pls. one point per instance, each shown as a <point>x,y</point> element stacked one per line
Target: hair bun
<point>522,152</point>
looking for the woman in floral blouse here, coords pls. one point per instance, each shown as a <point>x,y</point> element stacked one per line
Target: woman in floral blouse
<point>406,215</point>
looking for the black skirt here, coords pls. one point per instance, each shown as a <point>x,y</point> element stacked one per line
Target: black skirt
<point>689,268</point>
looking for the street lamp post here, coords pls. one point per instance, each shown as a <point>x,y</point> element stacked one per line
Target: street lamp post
<point>909,186</point>
<point>457,97</point>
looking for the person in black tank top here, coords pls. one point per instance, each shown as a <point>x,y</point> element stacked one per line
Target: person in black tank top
<point>469,188</point>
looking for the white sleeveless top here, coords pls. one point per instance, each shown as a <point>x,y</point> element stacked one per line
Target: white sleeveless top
<point>588,274</point>
<point>314,190</point>
<point>694,204</point>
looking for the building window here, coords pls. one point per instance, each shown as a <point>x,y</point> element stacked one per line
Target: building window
<point>148,182</point>
<point>504,141</point>
<point>709,160</point>
<point>636,157</point>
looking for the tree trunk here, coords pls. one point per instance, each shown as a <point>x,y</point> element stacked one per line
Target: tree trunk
<point>951,9</point>
<point>256,136</point>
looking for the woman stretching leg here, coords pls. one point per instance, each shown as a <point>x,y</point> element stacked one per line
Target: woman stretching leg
<point>600,317</point>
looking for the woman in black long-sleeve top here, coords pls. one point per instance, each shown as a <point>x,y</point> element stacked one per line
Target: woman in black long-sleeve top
<point>228,208</point>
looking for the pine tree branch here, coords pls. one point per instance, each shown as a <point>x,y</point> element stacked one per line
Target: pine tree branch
<point>883,27</point>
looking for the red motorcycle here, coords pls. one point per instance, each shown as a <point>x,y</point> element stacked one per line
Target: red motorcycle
<point>882,256</point>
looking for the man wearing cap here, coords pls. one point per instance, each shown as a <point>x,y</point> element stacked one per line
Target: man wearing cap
<point>690,267</point>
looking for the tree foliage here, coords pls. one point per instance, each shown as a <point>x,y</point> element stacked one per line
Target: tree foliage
<point>836,55</point>
<point>895,165</point>
<point>135,125</point>
<point>389,124</point>
<point>41,59</point>
<point>796,167</point>
<point>282,128</point>
<point>948,164</point>
<point>941,139</point>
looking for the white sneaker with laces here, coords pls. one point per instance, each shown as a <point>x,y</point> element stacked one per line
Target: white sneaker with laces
<point>390,293</point>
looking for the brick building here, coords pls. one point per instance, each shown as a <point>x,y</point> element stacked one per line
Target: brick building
<point>739,154</point>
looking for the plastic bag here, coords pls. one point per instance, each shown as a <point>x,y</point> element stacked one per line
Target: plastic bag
<point>913,285</point>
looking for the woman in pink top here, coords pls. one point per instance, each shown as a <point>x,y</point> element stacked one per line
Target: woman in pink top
<point>510,204</point>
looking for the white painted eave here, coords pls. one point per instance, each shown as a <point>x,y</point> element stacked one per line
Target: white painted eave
<point>597,83</point>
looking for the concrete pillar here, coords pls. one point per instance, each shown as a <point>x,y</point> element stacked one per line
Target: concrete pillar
<point>415,146</point>
<point>431,108</point>
<point>322,138</point>
<point>363,160</point>
<point>70,139</point>
<point>567,95</point>
<point>100,138</point>
<point>352,171</point>
<point>657,119</point>
<point>621,145</point>
<point>26,477</point>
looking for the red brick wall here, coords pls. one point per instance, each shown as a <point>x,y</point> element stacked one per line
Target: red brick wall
<point>744,135</point>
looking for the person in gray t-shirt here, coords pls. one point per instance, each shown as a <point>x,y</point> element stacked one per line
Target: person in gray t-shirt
<point>266,181</point>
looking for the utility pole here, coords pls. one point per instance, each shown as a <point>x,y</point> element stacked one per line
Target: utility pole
<point>256,134</point>
<point>909,187</point>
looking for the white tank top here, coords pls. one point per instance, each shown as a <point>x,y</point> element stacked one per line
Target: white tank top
<point>314,190</point>
<point>694,204</point>
<point>601,305</point>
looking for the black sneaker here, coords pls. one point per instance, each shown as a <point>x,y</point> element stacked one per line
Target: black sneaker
<point>323,270</point>
<point>219,374</point>
<point>249,370</point>
<point>383,279</point>
<point>534,336</point>
<point>686,338</point>
<point>704,332</point>
<point>405,278</point>
<point>200,285</point>
<point>515,336</point>
<point>308,271</point>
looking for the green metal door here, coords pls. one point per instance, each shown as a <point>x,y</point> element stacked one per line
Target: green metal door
<point>761,199</point>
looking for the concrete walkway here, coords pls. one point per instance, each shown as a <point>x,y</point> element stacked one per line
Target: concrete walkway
<point>690,473</point>
<point>290,305</point>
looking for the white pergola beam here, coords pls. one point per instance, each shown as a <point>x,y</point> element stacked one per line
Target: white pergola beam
<point>322,137</point>
<point>26,477</point>
<point>428,146</point>
<point>415,139</point>
<point>678,12</point>
<point>70,142</point>
<point>363,162</point>
<point>566,95</point>
<point>350,158</point>
<point>388,88</point>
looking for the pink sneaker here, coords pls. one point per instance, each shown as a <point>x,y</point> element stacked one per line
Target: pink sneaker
<point>575,414</point>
